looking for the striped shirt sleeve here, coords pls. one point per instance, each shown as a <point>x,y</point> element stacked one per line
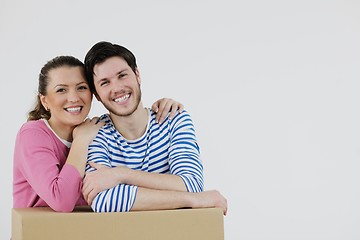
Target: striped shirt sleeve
<point>184,153</point>
<point>117,199</point>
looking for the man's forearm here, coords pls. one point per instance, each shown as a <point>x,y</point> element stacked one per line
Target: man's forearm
<point>150,199</point>
<point>125,198</point>
<point>152,180</point>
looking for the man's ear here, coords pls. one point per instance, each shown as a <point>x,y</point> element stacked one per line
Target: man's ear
<point>137,74</point>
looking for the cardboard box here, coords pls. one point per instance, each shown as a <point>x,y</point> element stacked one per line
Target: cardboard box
<point>185,224</point>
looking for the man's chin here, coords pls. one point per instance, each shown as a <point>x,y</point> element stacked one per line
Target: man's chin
<point>124,111</point>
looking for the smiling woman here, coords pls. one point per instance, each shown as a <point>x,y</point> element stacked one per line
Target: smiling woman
<point>47,172</point>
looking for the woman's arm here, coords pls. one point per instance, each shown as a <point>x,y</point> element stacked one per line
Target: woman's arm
<point>40,155</point>
<point>39,163</point>
<point>83,134</point>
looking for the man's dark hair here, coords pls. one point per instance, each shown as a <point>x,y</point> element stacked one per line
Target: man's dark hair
<point>102,51</point>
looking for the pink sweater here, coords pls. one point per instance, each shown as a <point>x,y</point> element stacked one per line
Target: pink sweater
<point>41,177</point>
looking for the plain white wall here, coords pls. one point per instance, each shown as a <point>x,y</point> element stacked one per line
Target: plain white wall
<point>272,86</point>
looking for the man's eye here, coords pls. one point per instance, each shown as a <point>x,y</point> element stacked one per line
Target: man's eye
<point>103,83</point>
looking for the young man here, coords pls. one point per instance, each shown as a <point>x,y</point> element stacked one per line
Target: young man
<point>140,164</point>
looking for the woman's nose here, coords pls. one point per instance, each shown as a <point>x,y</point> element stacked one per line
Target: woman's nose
<point>73,96</point>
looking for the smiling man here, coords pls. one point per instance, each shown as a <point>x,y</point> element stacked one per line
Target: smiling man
<point>135,163</point>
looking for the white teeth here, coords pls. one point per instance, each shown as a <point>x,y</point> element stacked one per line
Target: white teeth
<point>74,109</point>
<point>124,98</point>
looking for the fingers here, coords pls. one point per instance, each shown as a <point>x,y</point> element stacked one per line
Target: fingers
<point>164,109</point>
<point>175,109</point>
<point>181,107</point>
<point>222,203</point>
<point>97,121</point>
<point>91,197</point>
<point>158,108</point>
<point>91,184</point>
<point>96,165</point>
<point>94,120</point>
<point>214,198</point>
<point>166,106</point>
<point>225,208</point>
<point>89,192</point>
<point>155,105</point>
<point>85,189</point>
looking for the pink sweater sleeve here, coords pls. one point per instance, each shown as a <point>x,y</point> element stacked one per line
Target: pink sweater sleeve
<point>40,164</point>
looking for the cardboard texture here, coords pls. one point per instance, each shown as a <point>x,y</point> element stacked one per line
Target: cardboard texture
<point>185,224</point>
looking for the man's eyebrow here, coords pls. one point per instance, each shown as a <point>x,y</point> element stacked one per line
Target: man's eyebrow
<point>116,74</point>
<point>121,71</point>
<point>102,79</point>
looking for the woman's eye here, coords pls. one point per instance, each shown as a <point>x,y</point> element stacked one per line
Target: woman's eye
<point>83,87</point>
<point>60,90</point>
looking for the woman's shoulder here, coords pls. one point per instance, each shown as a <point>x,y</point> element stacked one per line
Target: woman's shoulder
<point>37,132</point>
<point>34,124</point>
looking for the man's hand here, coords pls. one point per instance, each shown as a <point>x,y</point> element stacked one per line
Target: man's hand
<point>99,180</point>
<point>212,198</point>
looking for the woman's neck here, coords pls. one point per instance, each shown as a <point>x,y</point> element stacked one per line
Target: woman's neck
<point>63,132</point>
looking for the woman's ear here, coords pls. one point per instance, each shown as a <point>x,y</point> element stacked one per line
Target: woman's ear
<point>43,101</point>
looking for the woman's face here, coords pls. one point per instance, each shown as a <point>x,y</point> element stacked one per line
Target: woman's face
<point>68,97</point>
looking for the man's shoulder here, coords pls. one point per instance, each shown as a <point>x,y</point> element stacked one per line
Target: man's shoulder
<point>179,115</point>
<point>108,130</point>
<point>104,117</point>
<point>107,120</point>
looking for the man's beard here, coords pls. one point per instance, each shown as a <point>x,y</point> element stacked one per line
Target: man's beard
<point>127,112</point>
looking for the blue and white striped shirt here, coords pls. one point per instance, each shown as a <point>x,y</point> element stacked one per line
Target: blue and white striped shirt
<point>169,147</point>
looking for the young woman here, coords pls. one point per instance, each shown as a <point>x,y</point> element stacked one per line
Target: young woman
<point>51,147</point>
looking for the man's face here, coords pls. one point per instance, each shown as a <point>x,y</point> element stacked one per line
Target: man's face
<point>117,86</point>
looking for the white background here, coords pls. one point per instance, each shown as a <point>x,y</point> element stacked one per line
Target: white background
<point>272,86</point>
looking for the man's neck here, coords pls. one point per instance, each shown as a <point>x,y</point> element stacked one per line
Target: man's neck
<point>134,126</point>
